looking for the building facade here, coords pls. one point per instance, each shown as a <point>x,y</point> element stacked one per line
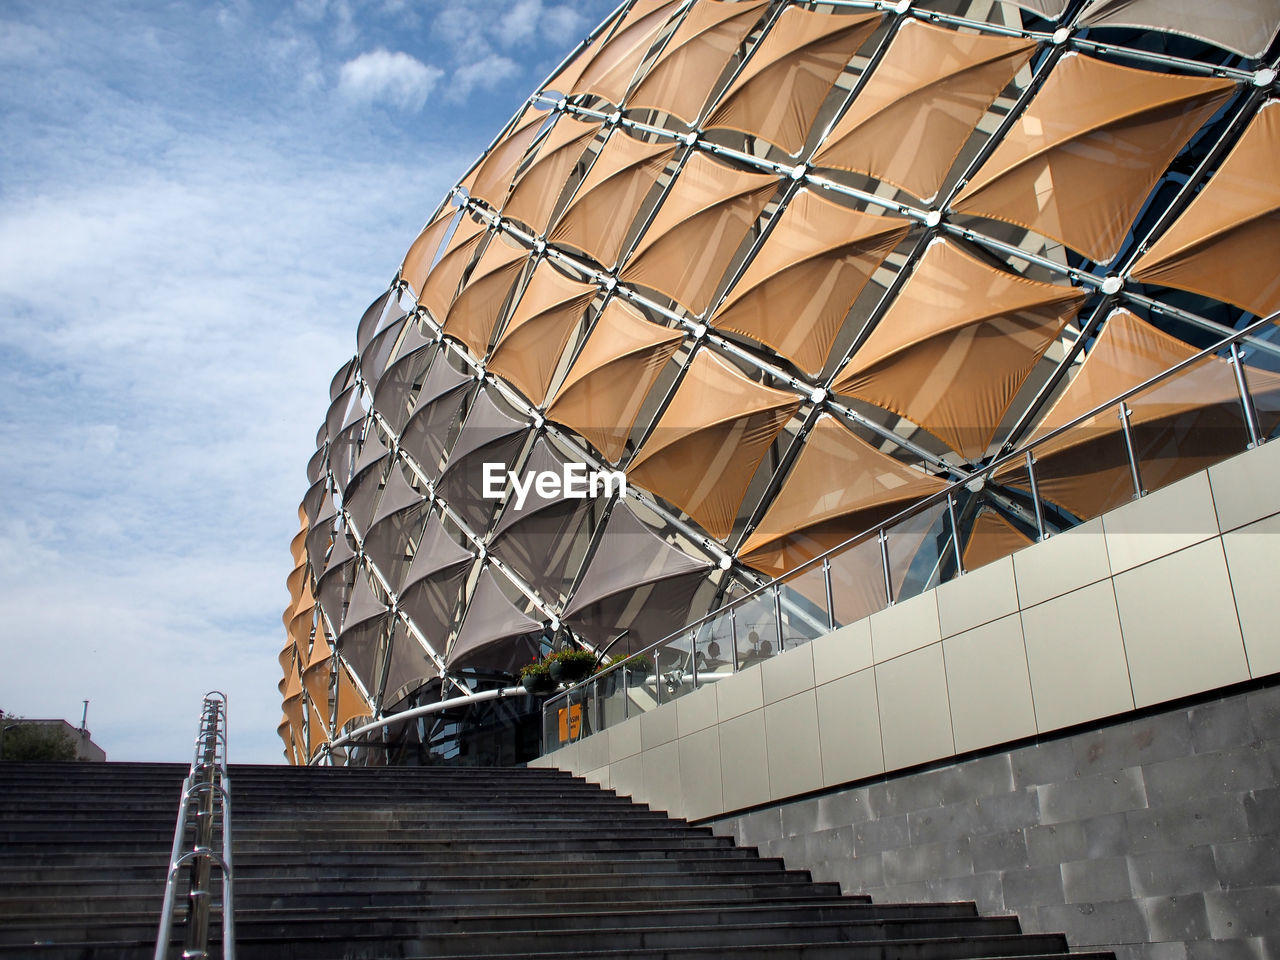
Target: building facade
<point>865,296</point>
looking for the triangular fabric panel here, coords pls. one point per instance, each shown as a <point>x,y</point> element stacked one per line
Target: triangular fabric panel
<point>351,702</point>
<point>336,417</point>
<point>1078,164</point>
<point>1179,426</point>
<point>602,210</point>
<point>486,424</point>
<point>797,290</point>
<point>695,233</point>
<point>530,348</point>
<point>839,487</point>
<point>374,356</point>
<point>437,551</point>
<point>1226,244</point>
<point>609,73</point>
<point>682,76</point>
<point>474,313</point>
<point>395,496</point>
<point>364,606</point>
<point>391,399</point>
<point>992,538</point>
<point>534,195</point>
<point>436,409</point>
<point>372,317</point>
<point>442,283</point>
<point>422,253</point>
<point>602,394</point>
<point>710,440</point>
<point>492,623</point>
<point>778,93</point>
<point>411,666</point>
<point>909,122</point>
<point>1246,27</point>
<point>954,347</point>
<point>1049,9</point>
<point>492,178</point>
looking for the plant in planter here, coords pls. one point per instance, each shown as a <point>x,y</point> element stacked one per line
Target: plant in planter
<point>571,665</point>
<point>536,677</point>
<point>637,667</point>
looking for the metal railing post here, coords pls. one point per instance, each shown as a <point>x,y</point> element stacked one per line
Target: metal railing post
<point>831,603</point>
<point>1035,495</point>
<point>955,534</point>
<point>777,616</point>
<point>884,565</point>
<point>693,656</point>
<point>733,635</point>
<point>1127,430</point>
<point>1246,398</point>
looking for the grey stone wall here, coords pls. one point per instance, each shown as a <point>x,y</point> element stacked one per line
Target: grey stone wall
<point>1158,836</point>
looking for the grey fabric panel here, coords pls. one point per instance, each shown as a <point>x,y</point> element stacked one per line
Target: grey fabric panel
<point>319,535</point>
<point>372,318</point>
<point>359,648</point>
<point>341,379</point>
<point>364,605</point>
<point>463,486</point>
<point>314,499</point>
<point>431,601</point>
<point>396,495</point>
<point>485,424</point>
<point>337,419</point>
<point>437,408</point>
<point>362,494</point>
<point>374,357</point>
<point>648,613</point>
<point>333,588</point>
<point>547,547</point>
<point>391,398</point>
<point>1246,27</point>
<point>488,638</point>
<point>315,466</point>
<point>388,542</point>
<point>342,454</point>
<point>410,666</point>
<point>437,552</point>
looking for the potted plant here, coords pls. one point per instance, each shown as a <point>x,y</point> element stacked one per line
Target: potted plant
<point>571,665</point>
<point>536,677</point>
<point>637,667</point>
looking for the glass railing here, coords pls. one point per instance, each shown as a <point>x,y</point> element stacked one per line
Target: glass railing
<point>1192,415</point>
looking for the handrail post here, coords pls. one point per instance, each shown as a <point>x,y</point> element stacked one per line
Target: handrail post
<point>955,534</point>
<point>884,565</point>
<point>831,603</point>
<point>777,614</point>
<point>1127,430</point>
<point>733,635</point>
<point>1246,398</point>
<point>1035,496</point>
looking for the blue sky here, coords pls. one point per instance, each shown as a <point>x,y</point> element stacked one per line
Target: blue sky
<point>197,201</point>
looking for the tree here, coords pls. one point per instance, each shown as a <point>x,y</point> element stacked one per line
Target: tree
<point>20,740</point>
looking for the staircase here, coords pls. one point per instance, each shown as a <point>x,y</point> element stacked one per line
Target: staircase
<point>436,862</point>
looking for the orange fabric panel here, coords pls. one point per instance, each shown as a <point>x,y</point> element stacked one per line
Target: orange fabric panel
<point>954,347</point>
<point>491,180</point>
<point>1079,162</point>
<point>535,194</point>
<point>601,396</point>
<point>612,67</point>
<point>417,262</point>
<point>1226,244</point>
<point>839,487</point>
<point>695,233</point>
<point>709,441</point>
<point>909,122</point>
<point>298,545</point>
<point>441,285</point>
<point>530,348</point>
<point>797,290</point>
<point>317,729</point>
<point>992,538</point>
<point>474,313</point>
<point>681,78</point>
<point>351,702</point>
<point>598,217</point>
<point>779,91</point>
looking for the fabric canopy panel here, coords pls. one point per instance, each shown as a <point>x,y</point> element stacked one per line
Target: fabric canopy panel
<point>1049,9</point>
<point>529,349</point>
<point>442,282</point>
<point>1227,243</point>
<point>779,92</point>
<point>544,539</point>
<point>316,676</point>
<point>1078,164</point>
<point>597,219</point>
<point>489,436</point>
<point>362,493</point>
<point>410,667</point>
<point>391,399</point>
<point>343,411</point>
<point>474,313</point>
<point>399,516</point>
<point>992,538</point>
<point>374,356</point>
<point>1246,27</point>
<point>922,102</point>
<point>695,233</point>
<point>492,177</point>
<point>321,535</point>
<point>373,318</point>
<point>535,194</point>
<point>839,487</point>
<point>709,441</point>
<point>495,631</point>
<point>602,394</point>
<point>1179,426</point>
<point>680,79</point>
<point>954,347</point>
<point>638,582</point>
<point>434,581</point>
<point>351,702</point>
<point>437,408</point>
<point>611,68</point>
<point>335,587</point>
<point>362,630</point>
<point>797,290</point>
<point>422,253</point>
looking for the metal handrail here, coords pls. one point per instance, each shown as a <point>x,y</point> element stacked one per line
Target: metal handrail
<point>980,475</point>
<point>207,788</point>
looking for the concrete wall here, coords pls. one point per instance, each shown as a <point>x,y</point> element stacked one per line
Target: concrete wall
<point>1166,597</point>
<point>1158,836</point>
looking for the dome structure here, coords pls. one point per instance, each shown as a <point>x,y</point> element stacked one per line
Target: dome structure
<point>741,281</point>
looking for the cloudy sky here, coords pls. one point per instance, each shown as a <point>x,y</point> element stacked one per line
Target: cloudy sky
<point>197,201</point>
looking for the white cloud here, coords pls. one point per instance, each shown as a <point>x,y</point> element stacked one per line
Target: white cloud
<point>381,75</point>
<point>482,74</point>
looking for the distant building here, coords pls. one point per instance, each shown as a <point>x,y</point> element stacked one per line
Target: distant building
<point>86,749</point>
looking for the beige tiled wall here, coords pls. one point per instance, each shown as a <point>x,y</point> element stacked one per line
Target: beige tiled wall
<point>1167,596</point>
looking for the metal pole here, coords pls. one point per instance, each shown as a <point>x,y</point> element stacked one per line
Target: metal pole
<point>831,604</point>
<point>733,635</point>
<point>955,533</point>
<point>1128,445</point>
<point>1035,495</point>
<point>693,656</point>
<point>1246,398</point>
<point>777,615</point>
<point>884,565</point>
